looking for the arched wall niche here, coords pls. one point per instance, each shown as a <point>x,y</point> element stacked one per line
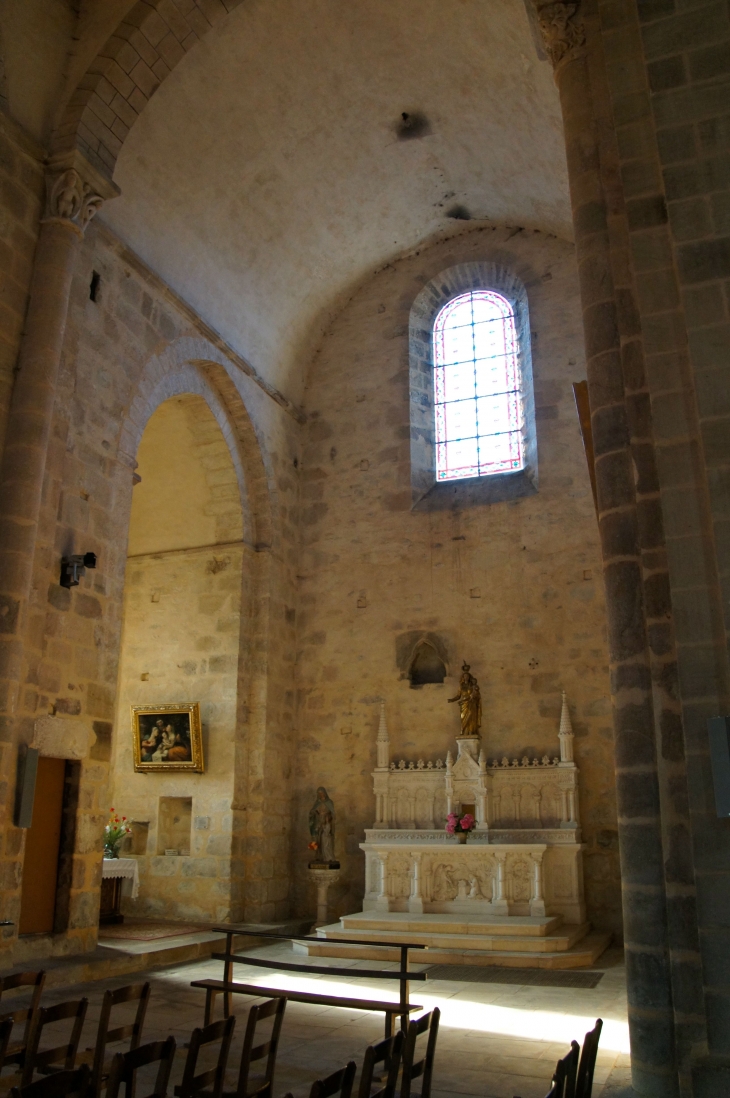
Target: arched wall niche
<point>227,587</point>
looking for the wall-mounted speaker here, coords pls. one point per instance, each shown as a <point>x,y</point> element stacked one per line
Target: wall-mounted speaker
<point>719,732</point>
<point>25,785</point>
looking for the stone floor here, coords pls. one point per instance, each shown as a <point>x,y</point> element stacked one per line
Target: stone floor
<point>495,1041</point>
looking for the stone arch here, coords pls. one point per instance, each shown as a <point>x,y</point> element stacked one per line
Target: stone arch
<point>426,665</point>
<point>127,71</point>
<point>194,366</point>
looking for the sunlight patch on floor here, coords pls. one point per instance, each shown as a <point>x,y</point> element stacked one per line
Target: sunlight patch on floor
<point>536,1025</point>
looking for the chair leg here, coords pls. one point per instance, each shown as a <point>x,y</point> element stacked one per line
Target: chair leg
<point>388,1024</point>
<point>209,1006</point>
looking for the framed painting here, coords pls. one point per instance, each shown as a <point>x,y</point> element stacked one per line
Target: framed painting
<point>167,737</point>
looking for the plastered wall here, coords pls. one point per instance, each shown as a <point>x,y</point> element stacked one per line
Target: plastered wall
<point>513,588</point>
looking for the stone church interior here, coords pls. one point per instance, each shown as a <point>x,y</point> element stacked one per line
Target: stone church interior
<point>365,547</point>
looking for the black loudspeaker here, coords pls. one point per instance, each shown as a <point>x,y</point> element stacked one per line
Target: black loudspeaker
<point>719,732</point>
<point>25,786</point>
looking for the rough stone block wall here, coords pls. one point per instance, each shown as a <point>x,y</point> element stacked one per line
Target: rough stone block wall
<point>21,198</point>
<point>513,588</point>
<point>135,331</point>
<point>180,644</point>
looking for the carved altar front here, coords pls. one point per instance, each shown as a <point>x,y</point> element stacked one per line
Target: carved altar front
<point>524,856</point>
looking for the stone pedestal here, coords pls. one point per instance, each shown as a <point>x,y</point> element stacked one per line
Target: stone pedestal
<point>322,876</point>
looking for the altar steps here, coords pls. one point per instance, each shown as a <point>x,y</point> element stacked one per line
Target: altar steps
<point>508,941</point>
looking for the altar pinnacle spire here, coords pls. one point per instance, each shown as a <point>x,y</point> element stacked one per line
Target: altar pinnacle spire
<point>382,743</point>
<point>565,735</point>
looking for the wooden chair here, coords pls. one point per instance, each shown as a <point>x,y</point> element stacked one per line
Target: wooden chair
<point>139,993</point>
<point>412,1069</point>
<point>15,1053</point>
<point>584,1082</point>
<point>272,1008</point>
<point>339,1083</point>
<point>62,1084</point>
<point>565,1074</point>
<point>192,1084</point>
<point>45,1060</point>
<point>125,1064</point>
<point>387,1052</point>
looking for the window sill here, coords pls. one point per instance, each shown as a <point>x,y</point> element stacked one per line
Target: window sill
<point>473,491</point>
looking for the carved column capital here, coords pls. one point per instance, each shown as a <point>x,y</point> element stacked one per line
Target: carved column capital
<point>562,30</point>
<point>75,191</point>
<point>70,199</point>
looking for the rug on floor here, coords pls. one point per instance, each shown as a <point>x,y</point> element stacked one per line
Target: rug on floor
<point>538,977</point>
<point>146,932</point>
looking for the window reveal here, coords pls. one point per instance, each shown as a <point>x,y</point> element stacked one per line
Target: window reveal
<point>477,392</point>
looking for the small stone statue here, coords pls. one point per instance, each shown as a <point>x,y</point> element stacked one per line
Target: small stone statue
<point>470,703</point>
<point>322,829</point>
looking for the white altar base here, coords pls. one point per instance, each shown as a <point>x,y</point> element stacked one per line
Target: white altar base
<point>512,894</point>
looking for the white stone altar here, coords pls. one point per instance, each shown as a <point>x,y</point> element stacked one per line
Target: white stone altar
<point>524,858</point>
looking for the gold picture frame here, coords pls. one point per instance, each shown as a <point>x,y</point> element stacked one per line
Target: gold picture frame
<point>167,737</point>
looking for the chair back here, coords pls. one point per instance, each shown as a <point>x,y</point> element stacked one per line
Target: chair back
<point>387,1052</point>
<point>584,1084</point>
<point>62,1084</point>
<point>566,1071</point>
<point>125,1064</point>
<point>15,1054</point>
<point>6,1029</point>
<point>139,993</point>
<point>272,1008</point>
<point>338,1083</point>
<point>192,1084</point>
<point>412,1068</point>
<point>49,1060</point>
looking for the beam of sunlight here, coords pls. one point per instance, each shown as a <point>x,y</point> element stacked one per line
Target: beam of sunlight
<point>534,1025</point>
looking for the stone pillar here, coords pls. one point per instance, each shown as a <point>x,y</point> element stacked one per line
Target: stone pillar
<point>499,903</point>
<point>619,469</point>
<point>382,903</point>
<point>323,876</point>
<point>75,191</point>
<point>537,901</point>
<point>72,202</point>
<point>415,901</point>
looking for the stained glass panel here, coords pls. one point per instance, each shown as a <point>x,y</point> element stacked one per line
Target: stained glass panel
<point>477,397</point>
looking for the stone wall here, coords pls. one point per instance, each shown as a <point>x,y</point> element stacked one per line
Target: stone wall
<point>180,644</point>
<point>21,188</point>
<point>514,588</point>
<point>125,352</point>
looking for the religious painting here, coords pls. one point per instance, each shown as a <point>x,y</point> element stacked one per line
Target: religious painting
<point>167,737</point>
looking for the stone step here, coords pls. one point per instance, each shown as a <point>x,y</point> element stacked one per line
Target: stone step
<point>405,922</point>
<point>585,953</point>
<point>501,942</point>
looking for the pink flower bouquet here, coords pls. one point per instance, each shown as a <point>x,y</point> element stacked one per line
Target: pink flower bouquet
<point>456,826</point>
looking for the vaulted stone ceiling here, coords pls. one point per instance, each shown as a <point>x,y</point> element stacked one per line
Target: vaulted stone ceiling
<point>265,179</point>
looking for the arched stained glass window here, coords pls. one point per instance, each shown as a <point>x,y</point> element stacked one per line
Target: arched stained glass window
<point>477,390</point>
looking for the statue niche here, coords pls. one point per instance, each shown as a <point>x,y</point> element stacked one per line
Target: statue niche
<point>426,665</point>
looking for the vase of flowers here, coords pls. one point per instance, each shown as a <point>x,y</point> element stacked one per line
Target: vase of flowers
<point>460,826</point>
<point>115,830</point>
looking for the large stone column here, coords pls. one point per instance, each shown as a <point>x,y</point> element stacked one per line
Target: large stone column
<point>637,706</point>
<point>75,192</point>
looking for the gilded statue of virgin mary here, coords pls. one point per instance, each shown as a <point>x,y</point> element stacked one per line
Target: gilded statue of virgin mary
<point>470,703</point>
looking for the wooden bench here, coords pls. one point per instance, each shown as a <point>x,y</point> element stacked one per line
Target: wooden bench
<point>228,987</point>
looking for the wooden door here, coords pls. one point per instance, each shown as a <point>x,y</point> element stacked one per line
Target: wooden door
<point>42,843</point>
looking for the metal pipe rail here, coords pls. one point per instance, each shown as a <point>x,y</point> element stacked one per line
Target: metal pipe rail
<point>227,986</point>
